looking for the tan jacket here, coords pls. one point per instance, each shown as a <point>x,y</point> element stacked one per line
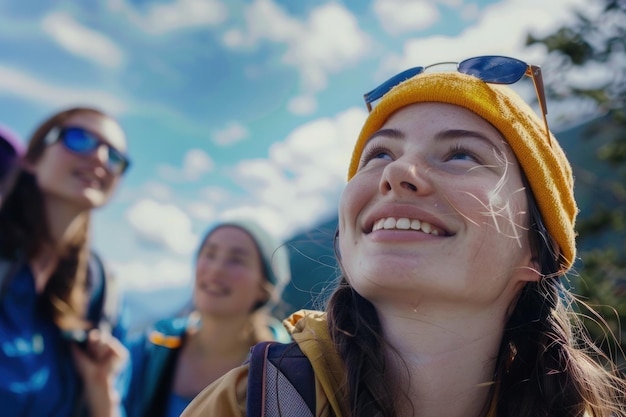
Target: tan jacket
<point>226,397</point>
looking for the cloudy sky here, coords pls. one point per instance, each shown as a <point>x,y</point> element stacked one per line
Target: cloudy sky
<point>233,107</point>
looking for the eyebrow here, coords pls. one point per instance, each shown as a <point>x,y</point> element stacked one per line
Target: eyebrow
<point>463,133</point>
<point>447,134</point>
<point>239,251</point>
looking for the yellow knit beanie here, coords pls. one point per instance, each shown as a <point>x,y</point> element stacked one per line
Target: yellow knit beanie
<point>544,163</point>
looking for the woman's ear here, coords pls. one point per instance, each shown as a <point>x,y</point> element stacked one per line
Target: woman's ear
<point>266,292</point>
<point>264,295</point>
<point>532,271</point>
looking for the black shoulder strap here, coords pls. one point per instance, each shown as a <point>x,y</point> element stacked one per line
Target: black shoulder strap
<point>98,284</point>
<point>102,298</point>
<point>8,269</point>
<point>281,381</point>
<point>161,351</point>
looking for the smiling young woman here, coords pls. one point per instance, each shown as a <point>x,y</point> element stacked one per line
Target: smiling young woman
<point>455,230</point>
<point>71,166</point>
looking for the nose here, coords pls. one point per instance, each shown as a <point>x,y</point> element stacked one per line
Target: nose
<point>404,177</point>
<point>102,153</point>
<point>210,268</point>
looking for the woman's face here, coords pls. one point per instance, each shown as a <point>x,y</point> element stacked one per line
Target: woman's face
<point>437,212</point>
<point>81,180</point>
<point>229,277</point>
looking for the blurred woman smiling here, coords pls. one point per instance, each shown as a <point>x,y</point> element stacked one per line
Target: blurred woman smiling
<point>240,273</point>
<point>72,165</point>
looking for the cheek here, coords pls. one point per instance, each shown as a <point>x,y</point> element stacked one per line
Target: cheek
<point>248,287</point>
<point>354,197</point>
<point>499,209</point>
<point>110,185</point>
<point>508,209</point>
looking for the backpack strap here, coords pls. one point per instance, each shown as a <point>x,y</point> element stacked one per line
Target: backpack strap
<point>281,381</point>
<point>159,361</point>
<point>103,302</point>
<point>8,269</point>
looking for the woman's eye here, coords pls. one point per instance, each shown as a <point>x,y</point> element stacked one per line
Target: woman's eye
<point>460,153</point>
<point>237,261</point>
<point>376,153</point>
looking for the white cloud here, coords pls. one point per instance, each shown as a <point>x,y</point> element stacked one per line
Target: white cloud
<point>266,216</point>
<point>202,211</point>
<point>470,11</point>
<point>214,194</point>
<point>234,38</point>
<point>312,48</point>
<point>19,83</point>
<point>234,132</point>
<point>157,190</point>
<point>301,180</point>
<point>162,225</point>
<point>501,29</point>
<point>82,41</point>
<point>302,105</point>
<point>161,18</point>
<point>196,163</point>
<point>136,275</point>
<point>401,16</point>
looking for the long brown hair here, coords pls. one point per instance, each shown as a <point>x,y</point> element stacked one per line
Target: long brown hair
<point>547,365</point>
<point>24,231</point>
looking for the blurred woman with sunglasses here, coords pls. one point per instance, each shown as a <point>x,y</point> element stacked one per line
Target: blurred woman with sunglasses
<point>54,360</point>
<point>456,228</point>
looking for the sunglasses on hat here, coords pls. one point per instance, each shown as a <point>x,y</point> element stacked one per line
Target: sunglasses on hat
<point>80,141</point>
<point>491,69</point>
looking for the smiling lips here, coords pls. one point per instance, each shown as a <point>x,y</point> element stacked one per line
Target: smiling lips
<point>403,223</point>
<point>90,178</point>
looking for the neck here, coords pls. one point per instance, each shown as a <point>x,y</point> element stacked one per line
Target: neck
<point>444,360</point>
<point>63,221</point>
<point>43,265</point>
<point>235,336</point>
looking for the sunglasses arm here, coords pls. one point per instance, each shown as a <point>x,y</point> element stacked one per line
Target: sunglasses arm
<point>534,72</point>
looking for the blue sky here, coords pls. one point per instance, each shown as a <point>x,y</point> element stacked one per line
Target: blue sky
<point>233,107</point>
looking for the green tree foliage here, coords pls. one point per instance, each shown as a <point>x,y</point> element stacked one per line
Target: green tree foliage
<point>588,61</point>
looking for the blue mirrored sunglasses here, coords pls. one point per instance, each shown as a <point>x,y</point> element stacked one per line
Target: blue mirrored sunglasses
<point>491,69</point>
<point>82,142</point>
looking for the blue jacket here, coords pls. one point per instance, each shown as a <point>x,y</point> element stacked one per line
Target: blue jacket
<point>37,374</point>
<point>154,356</point>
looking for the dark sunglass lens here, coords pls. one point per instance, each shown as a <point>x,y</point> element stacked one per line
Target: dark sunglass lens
<point>79,140</point>
<point>494,69</point>
<point>117,161</point>
<point>384,88</point>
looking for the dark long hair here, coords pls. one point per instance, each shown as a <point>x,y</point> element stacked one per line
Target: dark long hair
<point>547,365</point>
<point>24,231</point>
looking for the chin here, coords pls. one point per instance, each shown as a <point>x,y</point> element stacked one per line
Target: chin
<point>94,199</point>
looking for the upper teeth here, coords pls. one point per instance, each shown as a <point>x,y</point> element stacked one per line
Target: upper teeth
<point>404,223</point>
